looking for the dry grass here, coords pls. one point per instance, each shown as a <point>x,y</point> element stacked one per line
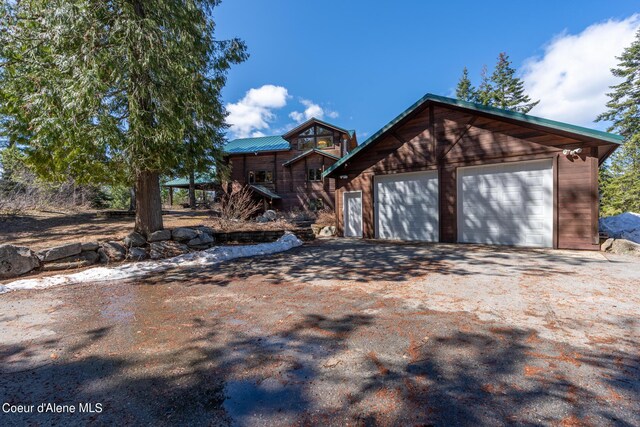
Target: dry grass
<point>38,229</point>
<point>220,224</point>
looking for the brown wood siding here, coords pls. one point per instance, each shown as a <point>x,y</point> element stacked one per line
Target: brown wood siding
<point>577,198</point>
<point>461,138</point>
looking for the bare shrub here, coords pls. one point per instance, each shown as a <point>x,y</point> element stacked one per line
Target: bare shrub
<point>237,204</point>
<point>326,217</point>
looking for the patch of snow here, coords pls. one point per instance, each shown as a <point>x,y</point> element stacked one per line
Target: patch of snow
<point>623,226</point>
<point>136,270</point>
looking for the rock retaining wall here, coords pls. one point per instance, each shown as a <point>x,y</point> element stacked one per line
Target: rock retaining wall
<point>18,260</point>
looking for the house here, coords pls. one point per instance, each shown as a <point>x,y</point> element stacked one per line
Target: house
<point>451,171</point>
<point>285,171</point>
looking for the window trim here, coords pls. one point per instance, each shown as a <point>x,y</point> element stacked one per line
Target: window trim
<point>317,174</point>
<point>315,136</point>
<point>254,174</point>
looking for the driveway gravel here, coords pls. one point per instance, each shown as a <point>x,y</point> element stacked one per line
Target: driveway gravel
<point>336,332</point>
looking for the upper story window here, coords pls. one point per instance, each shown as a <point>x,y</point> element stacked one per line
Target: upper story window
<point>260,177</point>
<point>315,137</point>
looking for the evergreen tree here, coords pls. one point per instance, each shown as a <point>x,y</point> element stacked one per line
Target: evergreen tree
<point>465,90</point>
<point>507,89</point>
<point>620,186</point>
<point>484,94</point>
<point>106,91</point>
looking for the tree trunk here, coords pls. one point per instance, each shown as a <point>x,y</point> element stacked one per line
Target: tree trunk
<point>132,199</point>
<point>148,203</point>
<point>192,190</point>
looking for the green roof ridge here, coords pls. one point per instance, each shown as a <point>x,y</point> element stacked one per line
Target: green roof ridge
<point>580,130</point>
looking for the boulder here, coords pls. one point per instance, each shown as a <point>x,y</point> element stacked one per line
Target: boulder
<point>83,259</point>
<point>606,245</point>
<point>625,247</point>
<point>114,251</point>
<point>16,260</point>
<point>183,234</point>
<point>137,253</point>
<point>205,229</point>
<point>90,246</point>
<point>59,252</point>
<point>327,231</point>
<point>270,215</point>
<point>134,240</point>
<point>160,235</point>
<point>102,256</point>
<point>203,241</point>
<point>166,249</point>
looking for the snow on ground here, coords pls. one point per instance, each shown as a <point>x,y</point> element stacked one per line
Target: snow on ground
<point>140,269</point>
<point>623,226</point>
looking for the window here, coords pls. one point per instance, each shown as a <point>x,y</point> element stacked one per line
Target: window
<point>314,174</point>
<point>260,177</point>
<point>315,137</point>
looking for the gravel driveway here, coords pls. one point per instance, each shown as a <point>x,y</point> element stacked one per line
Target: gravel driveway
<point>337,332</point>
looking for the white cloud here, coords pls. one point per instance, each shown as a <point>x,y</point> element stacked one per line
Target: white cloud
<point>311,110</point>
<point>573,75</point>
<point>255,111</point>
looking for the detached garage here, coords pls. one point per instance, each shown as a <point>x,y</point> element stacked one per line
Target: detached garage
<point>452,171</point>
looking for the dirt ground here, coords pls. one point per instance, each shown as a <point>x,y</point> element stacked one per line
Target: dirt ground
<point>337,332</point>
<point>38,230</point>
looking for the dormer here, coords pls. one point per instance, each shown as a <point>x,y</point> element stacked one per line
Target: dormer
<point>315,134</point>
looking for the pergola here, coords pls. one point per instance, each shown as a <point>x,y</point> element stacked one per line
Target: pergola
<point>203,183</point>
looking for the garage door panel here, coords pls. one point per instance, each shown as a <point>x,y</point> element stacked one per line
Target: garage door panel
<point>407,206</point>
<point>506,204</point>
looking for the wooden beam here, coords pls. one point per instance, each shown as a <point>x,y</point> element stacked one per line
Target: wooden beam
<point>459,137</point>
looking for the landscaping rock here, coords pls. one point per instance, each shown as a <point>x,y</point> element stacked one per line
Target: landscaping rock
<point>137,254</point>
<point>182,234</point>
<point>606,245</point>
<point>114,251</point>
<point>102,256</point>
<point>327,231</point>
<point>625,247</point>
<point>90,246</point>
<point>16,260</point>
<point>84,259</point>
<point>134,240</point>
<point>160,235</point>
<point>205,229</point>
<point>59,252</point>
<point>270,215</point>
<point>261,219</point>
<point>166,249</point>
<point>203,241</point>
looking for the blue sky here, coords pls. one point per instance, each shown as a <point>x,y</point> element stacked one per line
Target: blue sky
<point>360,63</point>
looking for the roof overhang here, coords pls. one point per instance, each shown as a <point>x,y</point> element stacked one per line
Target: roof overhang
<point>308,153</point>
<point>308,123</point>
<point>264,191</point>
<point>595,137</point>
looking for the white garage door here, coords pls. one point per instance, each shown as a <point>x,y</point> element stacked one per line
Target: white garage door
<point>407,206</point>
<point>507,204</point>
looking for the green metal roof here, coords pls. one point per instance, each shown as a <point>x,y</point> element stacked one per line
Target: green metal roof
<point>253,145</point>
<point>578,130</point>
<point>264,191</point>
<point>306,153</point>
<point>200,179</point>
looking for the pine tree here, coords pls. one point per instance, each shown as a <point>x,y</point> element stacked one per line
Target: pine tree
<point>507,89</point>
<point>106,91</point>
<point>484,94</point>
<point>465,90</point>
<point>620,189</point>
